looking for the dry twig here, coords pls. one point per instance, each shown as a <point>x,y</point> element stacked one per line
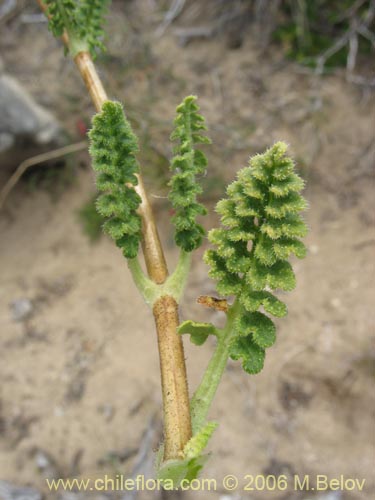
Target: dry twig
<point>170,16</point>
<point>350,38</point>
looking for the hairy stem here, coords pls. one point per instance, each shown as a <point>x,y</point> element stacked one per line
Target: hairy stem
<point>91,79</point>
<point>147,288</point>
<point>152,249</point>
<point>176,282</point>
<point>205,393</point>
<point>177,424</point>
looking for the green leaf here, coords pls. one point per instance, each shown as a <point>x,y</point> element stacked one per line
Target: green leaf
<point>190,239</point>
<point>264,251</point>
<point>281,275</point>
<point>227,210</point>
<point>228,282</point>
<point>286,246</point>
<point>113,146</point>
<point>82,20</point>
<point>55,19</point>
<point>91,19</point>
<point>279,207</point>
<point>251,354</point>
<point>198,442</point>
<point>254,189</point>
<point>260,325</point>
<point>129,244</point>
<point>257,276</point>
<point>252,301</point>
<point>199,332</point>
<point>248,207</point>
<point>173,472</point>
<point>291,226</point>
<point>187,163</point>
<point>260,228</point>
<point>274,306</point>
<point>292,184</point>
<point>246,230</point>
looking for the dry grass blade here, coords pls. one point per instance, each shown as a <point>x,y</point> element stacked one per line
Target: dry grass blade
<point>35,160</point>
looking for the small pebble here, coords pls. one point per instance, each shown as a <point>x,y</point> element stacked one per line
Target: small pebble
<point>41,459</point>
<point>21,309</point>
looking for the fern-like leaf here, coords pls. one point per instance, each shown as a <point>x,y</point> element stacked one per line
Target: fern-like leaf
<point>55,13</point>
<point>249,352</point>
<point>113,148</point>
<point>262,209</point>
<point>91,19</point>
<point>188,163</point>
<point>82,20</point>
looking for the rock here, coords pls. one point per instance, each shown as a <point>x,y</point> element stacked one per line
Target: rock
<point>21,309</point>
<point>10,491</point>
<point>6,141</point>
<point>21,116</point>
<point>46,464</point>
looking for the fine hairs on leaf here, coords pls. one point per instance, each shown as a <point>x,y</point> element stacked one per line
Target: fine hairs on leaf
<point>82,20</point>
<point>265,195</point>
<point>187,164</point>
<point>113,146</point>
<point>260,230</point>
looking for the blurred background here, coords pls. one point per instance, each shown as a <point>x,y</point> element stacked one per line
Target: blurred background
<point>79,391</point>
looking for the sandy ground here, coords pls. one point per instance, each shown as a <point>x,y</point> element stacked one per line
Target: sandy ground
<point>79,376</point>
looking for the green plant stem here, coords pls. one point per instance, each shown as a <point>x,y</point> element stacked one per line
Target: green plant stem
<point>173,286</point>
<point>76,45</point>
<point>176,282</point>
<point>149,290</point>
<point>177,422</point>
<point>205,393</point>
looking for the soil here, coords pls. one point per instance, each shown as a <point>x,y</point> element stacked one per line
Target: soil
<point>79,374</point>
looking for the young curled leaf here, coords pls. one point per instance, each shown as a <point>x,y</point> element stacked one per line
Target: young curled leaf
<point>186,165</point>
<point>82,20</point>
<point>113,146</point>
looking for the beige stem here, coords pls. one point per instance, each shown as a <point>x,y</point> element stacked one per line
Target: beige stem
<point>176,407</point>
<point>177,421</point>
<point>154,256</point>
